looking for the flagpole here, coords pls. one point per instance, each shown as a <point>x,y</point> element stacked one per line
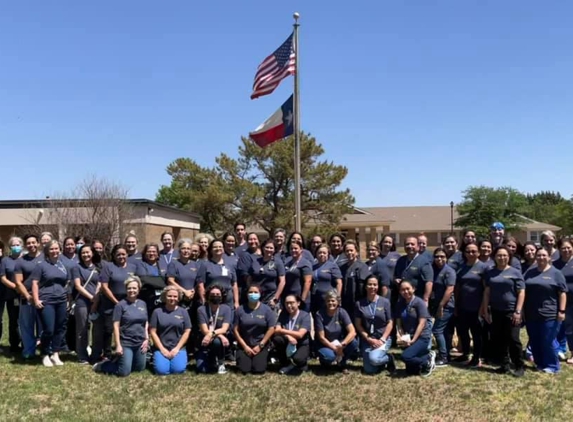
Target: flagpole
<point>296,106</point>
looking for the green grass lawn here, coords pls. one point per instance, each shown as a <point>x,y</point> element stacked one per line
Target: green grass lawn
<point>74,392</point>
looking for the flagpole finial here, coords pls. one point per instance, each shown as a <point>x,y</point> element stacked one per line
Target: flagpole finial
<point>296,16</point>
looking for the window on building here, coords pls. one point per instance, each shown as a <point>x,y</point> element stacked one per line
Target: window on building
<point>534,236</point>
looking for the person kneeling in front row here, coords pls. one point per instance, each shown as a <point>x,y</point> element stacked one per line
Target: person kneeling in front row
<point>335,334</point>
<point>129,333</point>
<point>292,337</point>
<point>414,332</point>
<point>170,327</point>
<point>373,320</point>
<point>214,320</point>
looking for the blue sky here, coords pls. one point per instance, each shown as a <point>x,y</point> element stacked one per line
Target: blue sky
<point>418,98</point>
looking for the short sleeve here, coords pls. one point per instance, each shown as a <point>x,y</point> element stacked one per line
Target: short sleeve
<point>201,274</point>
<point>364,272</point>
<point>18,267</point>
<point>305,268</point>
<point>37,273</point>
<point>171,270</point>
<point>280,266</point>
<point>561,282</point>
<point>384,276</point>
<point>202,315</point>
<point>357,311</point>
<point>104,276</point>
<point>186,319</point>
<point>237,318</point>
<point>519,283</point>
<point>117,312</point>
<point>305,323</point>
<point>227,315</point>
<point>318,322</point>
<point>244,264</point>
<point>335,271</point>
<point>422,309</point>
<point>75,272</point>
<point>271,317</point>
<point>427,272</point>
<point>154,318</point>
<point>3,267</point>
<point>344,317</point>
<point>450,277</point>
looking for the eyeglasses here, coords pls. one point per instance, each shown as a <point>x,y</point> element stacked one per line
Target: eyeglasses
<point>440,257</point>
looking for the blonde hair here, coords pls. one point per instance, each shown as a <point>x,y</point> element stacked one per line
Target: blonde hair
<point>168,289</point>
<point>133,279</point>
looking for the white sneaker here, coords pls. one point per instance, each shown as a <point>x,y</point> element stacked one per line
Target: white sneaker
<point>47,362</point>
<point>562,356</point>
<point>430,366</point>
<point>55,358</point>
<point>222,370</point>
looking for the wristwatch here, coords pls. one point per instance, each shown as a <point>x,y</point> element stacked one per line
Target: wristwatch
<point>262,345</point>
<point>518,312</point>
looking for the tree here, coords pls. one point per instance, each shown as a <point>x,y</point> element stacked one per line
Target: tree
<point>258,187</point>
<point>96,208</point>
<point>482,205</point>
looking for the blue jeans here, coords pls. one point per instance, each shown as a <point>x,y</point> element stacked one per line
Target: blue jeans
<point>132,360</point>
<point>27,320</point>
<point>54,318</point>
<point>417,355</point>
<point>544,347</point>
<point>565,334</point>
<point>442,333</point>
<point>210,357</point>
<point>326,356</point>
<point>164,366</point>
<point>374,361</point>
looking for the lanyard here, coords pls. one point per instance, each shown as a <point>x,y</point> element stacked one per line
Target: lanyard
<point>373,308</point>
<point>292,322</point>
<point>213,321</point>
<point>170,255</point>
<point>410,264</point>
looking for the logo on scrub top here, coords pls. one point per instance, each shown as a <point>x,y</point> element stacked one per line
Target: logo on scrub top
<point>381,308</point>
<point>141,309</point>
<point>178,316</point>
<point>260,316</point>
<point>193,269</point>
<point>412,311</point>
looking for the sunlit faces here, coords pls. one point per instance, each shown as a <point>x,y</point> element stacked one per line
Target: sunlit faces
<point>203,243</point>
<point>406,291</point>
<point>549,241</point>
<point>291,304</point>
<point>529,252</point>
<point>195,251</point>
<point>331,303</point>
<point>172,297</point>
<point>167,241</point>
<point>185,250</point>
<point>440,259</point>
<point>497,234</point>
<point>253,241</point>
<point>269,249</point>
<point>217,248</point>
<point>98,246</point>
<point>230,244</point>
<point>422,243</point>
<point>350,251</point>
<point>120,256</point>
<point>86,254</point>
<point>131,244</point>
<point>70,246</point>
<point>240,231</point>
<point>279,238</point>
<point>373,252</point>
<point>336,244</point>
<point>512,246</point>
<point>411,246</point>
<point>296,237</point>
<point>151,254</point>
<point>485,249</point>
<point>132,289</point>
<point>45,239</point>
<point>450,244</point>
<point>295,250</point>
<point>387,244</point>
<point>316,241</point>
<point>371,286</point>
<point>502,258</point>
<point>32,245</point>
<point>469,237</point>
<point>471,252</point>
<point>322,254</point>
<point>54,250</point>
<point>542,258</point>
<point>566,250</point>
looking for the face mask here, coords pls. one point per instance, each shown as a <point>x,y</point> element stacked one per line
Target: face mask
<point>254,297</point>
<point>215,300</point>
<point>16,249</point>
<point>79,246</point>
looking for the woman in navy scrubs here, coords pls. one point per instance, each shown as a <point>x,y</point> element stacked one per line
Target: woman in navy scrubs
<point>326,276</point>
<point>252,252</point>
<point>297,237</point>
<point>216,271</point>
<point>182,273</point>
<point>336,243</point>
<point>565,265</point>
<point>253,327</point>
<point>470,285</point>
<point>298,275</point>
<point>204,240</point>
<point>169,328</point>
<point>268,271</point>
<point>544,311</point>
<point>414,332</point>
<point>215,319</point>
<point>315,242</point>
<point>548,242</point>
<point>85,276</point>
<point>455,256</point>
<point>504,294</point>
<point>529,256</point>
<point>130,333</point>
<point>516,250</point>
<point>374,324</point>
<point>335,335</point>
<point>291,337</point>
<point>377,267</point>
<point>485,250</point>
<point>112,280</point>
<point>354,275</point>
<point>150,264</point>
<point>388,254</point>
<point>168,252</point>
<point>231,256</point>
<point>11,299</point>
<point>49,281</point>
<point>69,256</point>
<point>442,305</point>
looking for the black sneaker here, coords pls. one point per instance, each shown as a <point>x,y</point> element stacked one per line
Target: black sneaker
<point>519,372</point>
<point>461,359</point>
<point>502,370</point>
<point>391,365</point>
<point>441,362</point>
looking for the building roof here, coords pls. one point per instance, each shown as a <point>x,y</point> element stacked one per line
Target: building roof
<point>420,218</point>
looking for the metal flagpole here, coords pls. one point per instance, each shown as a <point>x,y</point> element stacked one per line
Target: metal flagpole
<point>296,106</point>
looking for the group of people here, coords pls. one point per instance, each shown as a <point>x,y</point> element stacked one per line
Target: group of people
<point>285,300</point>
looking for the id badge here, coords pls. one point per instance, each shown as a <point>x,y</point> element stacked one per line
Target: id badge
<point>371,328</point>
<point>224,272</point>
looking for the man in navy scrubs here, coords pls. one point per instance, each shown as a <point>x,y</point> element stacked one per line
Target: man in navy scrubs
<point>414,268</point>
<point>241,234</point>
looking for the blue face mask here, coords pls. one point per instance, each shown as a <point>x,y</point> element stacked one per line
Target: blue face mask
<point>254,297</point>
<point>79,246</point>
<point>16,249</point>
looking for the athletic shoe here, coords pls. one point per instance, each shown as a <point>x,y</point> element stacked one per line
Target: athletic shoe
<point>287,369</point>
<point>474,364</point>
<point>83,362</point>
<point>502,370</point>
<point>441,362</point>
<point>391,365</point>
<point>519,372</point>
<point>562,356</point>
<point>55,358</point>
<point>47,362</point>
<point>97,367</point>
<point>221,370</point>
<point>549,371</point>
<point>430,366</point>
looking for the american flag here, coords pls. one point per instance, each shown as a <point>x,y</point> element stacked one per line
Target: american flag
<point>274,69</point>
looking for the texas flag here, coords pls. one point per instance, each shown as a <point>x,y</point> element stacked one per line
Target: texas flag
<point>278,126</point>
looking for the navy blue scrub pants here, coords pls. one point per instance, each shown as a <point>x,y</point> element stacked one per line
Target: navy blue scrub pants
<point>54,318</point>
<point>543,343</point>
<point>565,335</point>
<point>300,357</point>
<point>13,309</point>
<point>506,337</point>
<point>256,364</point>
<point>417,355</point>
<point>469,321</point>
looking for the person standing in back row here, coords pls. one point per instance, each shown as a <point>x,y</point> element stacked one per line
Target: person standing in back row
<point>414,268</point>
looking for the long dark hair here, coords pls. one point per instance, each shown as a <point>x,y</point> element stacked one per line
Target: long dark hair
<point>96,257</point>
